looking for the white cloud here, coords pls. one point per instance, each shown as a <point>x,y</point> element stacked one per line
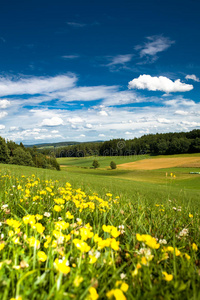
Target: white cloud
<point>103,113</point>
<point>160,83</point>
<point>101,135</point>
<point>4,103</point>
<point>35,85</point>
<point>2,127</point>
<point>13,128</point>
<point>75,120</point>
<point>120,59</point>
<point>181,112</point>
<point>54,131</point>
<point>82,135</point>
<point>164,121</point>
<point>70,56</point>
<point>192,77</point>
<point>122,98</point>
<point>88,93</point>
<point>191,124</point>
<point>89,126</point>
<point>154,45</point>
<point>55,121</point>
<point>76,24</point>
<point>180,102</point>
<point>3,114</point>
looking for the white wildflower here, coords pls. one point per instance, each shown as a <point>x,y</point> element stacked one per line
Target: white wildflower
<point>184,232</point>
<point>163,241</point>
<point>122,276</point>
<point>47,214</point>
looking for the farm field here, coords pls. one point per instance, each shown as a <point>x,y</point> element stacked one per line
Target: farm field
<point>85,233</point>
<point>103,160</point>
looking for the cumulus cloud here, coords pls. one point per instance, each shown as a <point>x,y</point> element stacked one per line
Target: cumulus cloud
<point>3,114</point>
<point>35,85</point>
<point>154,45</point>
<point>4,103</point>
<point>2,127</point>
<point>103,113</point>
<point>54,121</point>
<point>160,83</point>
<point>192,77</point>
<point>181,112</point>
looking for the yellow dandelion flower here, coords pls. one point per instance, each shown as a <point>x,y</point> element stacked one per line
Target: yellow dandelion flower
<point>168,277</point>
<point>57,208</point>
<point>93,293</point>
<point>2,245</point>
<point>62,266</point>
<point>194,247</point>
<point>118,294</point>
<point>42,256</point>
<point>77,281</point>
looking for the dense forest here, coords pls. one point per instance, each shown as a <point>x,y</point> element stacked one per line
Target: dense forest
<point>153,144</point>
<point>12,153</point>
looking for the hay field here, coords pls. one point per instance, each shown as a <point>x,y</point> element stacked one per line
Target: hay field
<point>161,163</point>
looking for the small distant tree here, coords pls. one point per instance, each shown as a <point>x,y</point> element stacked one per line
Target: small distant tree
<point>95,164</point>
<point>113,165</point>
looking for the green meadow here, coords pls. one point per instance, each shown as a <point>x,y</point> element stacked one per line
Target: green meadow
<point>84,233</point>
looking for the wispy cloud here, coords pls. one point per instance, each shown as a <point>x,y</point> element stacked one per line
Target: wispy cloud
<point>35,85</point>
<point>160,83</point>
<point>70,56</point>
<point>154,45</point>
<point>119,59</point>
<point>2,39</point>
<point>192,77</point>
<point>76,24</point>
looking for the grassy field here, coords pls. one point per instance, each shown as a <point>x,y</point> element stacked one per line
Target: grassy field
<point>106,234</point>
<point>104,161</point>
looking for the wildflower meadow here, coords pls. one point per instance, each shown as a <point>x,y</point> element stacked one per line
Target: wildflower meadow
<point>61,242</point>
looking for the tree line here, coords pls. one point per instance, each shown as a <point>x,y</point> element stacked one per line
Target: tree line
<point>12,153</point>
<point>153,144</point>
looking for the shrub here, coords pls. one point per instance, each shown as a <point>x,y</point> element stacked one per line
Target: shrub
<point>113,165</point>
<point>95,164</point>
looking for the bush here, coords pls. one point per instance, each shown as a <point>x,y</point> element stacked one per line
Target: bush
<point>21,157</point>
<point>95,164</point>
<point>113,165</point>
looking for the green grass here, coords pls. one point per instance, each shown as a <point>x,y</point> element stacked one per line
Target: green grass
<point>149,203</point>
<point>104,161</point>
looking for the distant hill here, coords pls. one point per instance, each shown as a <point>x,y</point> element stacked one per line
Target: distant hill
<point>60,144</point>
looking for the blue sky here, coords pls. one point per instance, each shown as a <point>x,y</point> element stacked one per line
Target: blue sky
<point>97,70</point>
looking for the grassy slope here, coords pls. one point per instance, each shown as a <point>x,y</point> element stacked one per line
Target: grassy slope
<point>103,160</point>
<point>151,186</point>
